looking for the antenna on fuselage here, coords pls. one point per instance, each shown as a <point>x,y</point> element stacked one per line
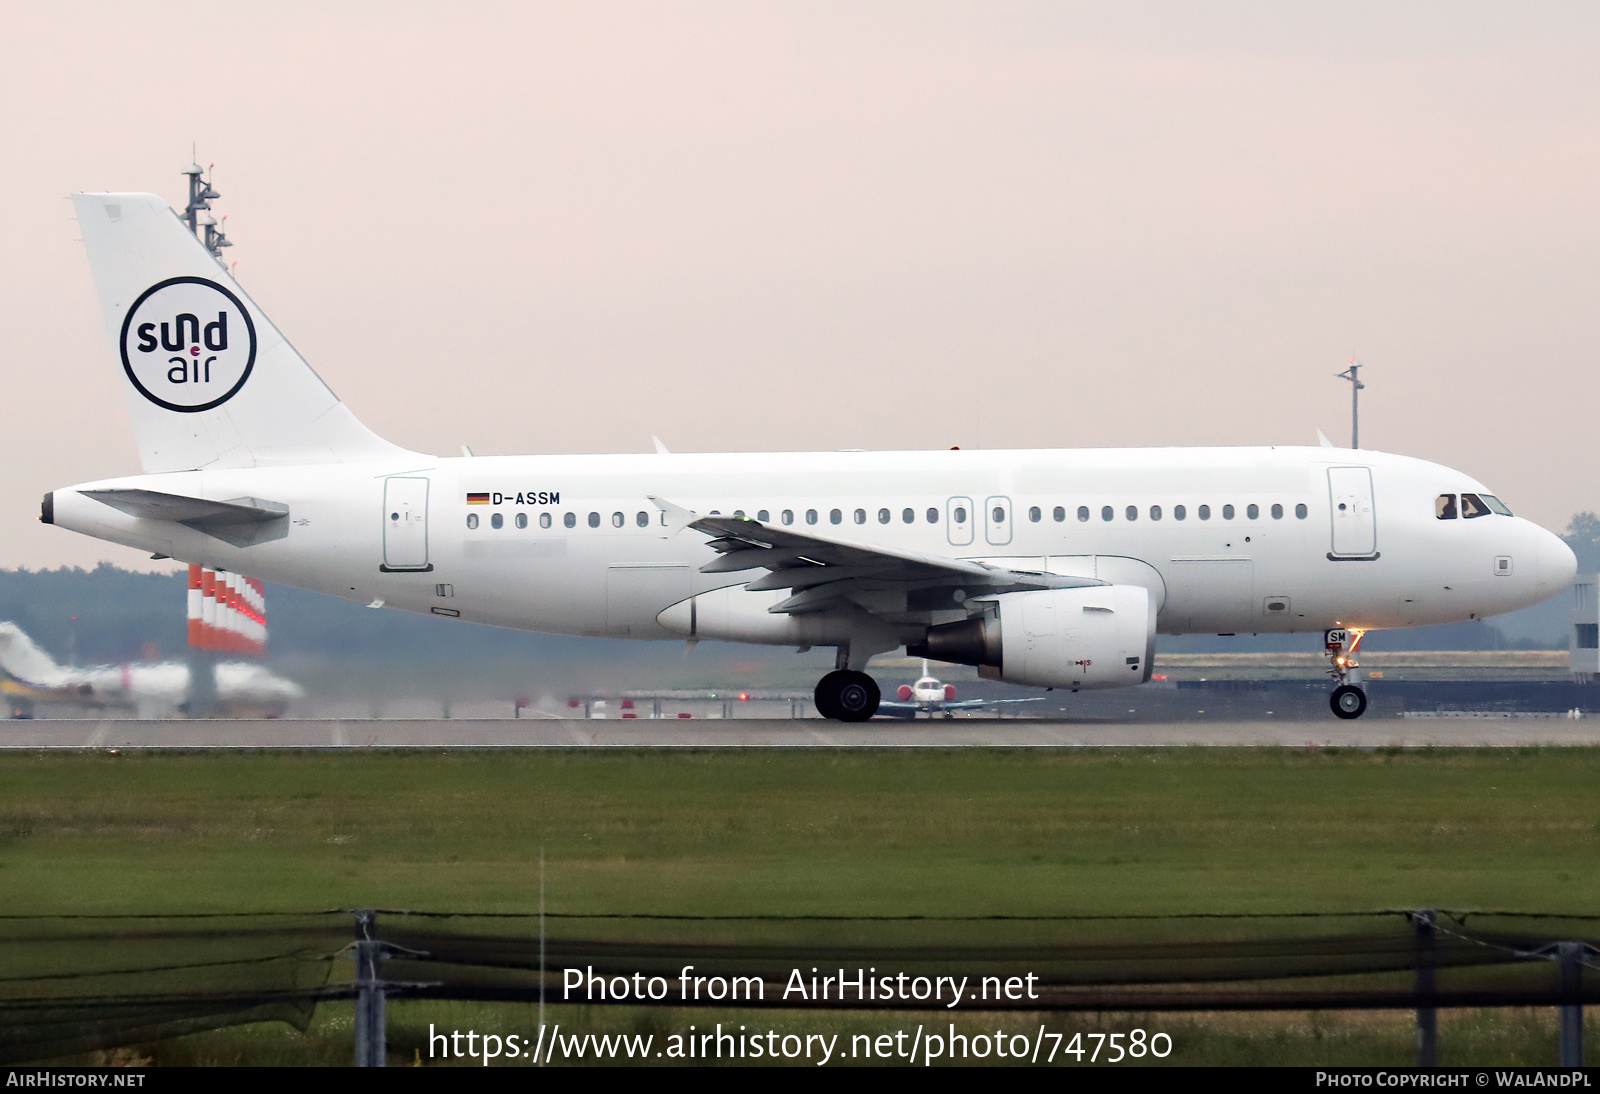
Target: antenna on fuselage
<point>197,215</point>
<point>1353,375</point>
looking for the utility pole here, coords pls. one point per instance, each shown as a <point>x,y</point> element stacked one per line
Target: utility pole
<point>1352,374</point>
<point>1423,922</point>
<point>1572,956</point>
<point>372,1047</point>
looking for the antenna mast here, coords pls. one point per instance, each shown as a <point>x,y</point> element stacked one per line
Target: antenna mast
<point>1353,375</point>
<point>198,213</point>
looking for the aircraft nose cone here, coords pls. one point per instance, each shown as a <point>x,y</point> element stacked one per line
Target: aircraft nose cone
<point>1555,561</point>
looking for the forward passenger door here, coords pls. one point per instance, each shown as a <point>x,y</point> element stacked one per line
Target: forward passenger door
<point>1355,528</point>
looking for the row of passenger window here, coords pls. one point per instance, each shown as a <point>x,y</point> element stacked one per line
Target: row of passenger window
<point>569,520</point>
<point>1179,512</point>
<point>859,516</point>
<point>642,519</point>
<point>907,516</point>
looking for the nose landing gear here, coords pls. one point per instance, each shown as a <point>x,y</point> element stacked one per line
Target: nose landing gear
<point>847,696</point>
<point>1348,700</point>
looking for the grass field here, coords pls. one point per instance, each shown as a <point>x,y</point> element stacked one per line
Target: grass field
<point>849,833</point>
<point>760,831</point>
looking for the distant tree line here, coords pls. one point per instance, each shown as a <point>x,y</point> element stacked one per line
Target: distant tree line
<point>1583,536</point>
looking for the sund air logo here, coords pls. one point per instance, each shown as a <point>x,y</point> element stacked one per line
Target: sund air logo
<point>188,344</point>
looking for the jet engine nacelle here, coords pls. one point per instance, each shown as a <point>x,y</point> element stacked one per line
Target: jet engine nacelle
<point>1102,636</point>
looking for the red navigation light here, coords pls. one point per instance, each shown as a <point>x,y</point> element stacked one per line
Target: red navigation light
<point>743,695</point>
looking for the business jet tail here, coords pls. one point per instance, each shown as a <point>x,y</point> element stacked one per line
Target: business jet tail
<point>26,662</point>
<point>210,382</point>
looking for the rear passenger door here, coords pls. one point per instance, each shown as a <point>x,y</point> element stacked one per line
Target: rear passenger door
<point>405,524</point>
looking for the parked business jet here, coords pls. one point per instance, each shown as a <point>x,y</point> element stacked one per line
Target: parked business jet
<point>930,696</point>
<point>1051,568</point>
<point>151,689</point>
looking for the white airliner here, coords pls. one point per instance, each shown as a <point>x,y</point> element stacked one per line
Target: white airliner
<point>930,696</point>
<point>153,690</point>
<point>1051,568</point>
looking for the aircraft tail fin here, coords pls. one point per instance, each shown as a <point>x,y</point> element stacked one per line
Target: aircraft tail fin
<point>210,382</point>
<point>26,662</point>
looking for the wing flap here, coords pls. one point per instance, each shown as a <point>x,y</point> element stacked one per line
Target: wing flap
<point>744,557</point>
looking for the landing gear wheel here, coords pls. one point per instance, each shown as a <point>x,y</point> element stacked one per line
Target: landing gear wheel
<point>1348,701</point>
<point>847,696</point>
<point>823,697</point>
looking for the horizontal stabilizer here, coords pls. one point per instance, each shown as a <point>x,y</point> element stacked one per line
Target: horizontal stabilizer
<point>241,521</point>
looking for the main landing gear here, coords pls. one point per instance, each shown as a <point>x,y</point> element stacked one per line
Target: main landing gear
<point>1347,700</point>
<point>847,696</point>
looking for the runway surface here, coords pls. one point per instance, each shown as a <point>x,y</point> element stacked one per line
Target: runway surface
<point>795,733</point>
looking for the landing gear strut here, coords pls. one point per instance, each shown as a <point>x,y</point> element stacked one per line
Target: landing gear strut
<point>847,696</point>
<point>1347,700</point>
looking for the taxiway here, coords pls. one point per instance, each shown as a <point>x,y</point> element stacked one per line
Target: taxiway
<point>1425,732</point>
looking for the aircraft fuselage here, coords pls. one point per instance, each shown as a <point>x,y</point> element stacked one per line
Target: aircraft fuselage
<point>1226,539</point>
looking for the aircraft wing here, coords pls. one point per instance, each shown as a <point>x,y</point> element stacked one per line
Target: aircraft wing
<point>23,691</point>
<point>893,708</point>
<point>979,704</point>
<point>821,571</point>
<point>889,708</point>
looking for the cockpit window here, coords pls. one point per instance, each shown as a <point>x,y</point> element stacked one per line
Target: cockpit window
<point>1444,507</point>
<point>1472,506</point>
<point>1495,504</point>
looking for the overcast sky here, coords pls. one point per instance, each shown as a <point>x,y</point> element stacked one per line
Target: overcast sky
<point>542,227</point>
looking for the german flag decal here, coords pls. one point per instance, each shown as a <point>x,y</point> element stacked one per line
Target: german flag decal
<point>477,499</point>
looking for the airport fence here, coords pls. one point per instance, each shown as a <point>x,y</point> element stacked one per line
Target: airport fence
<point>72,984</point>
